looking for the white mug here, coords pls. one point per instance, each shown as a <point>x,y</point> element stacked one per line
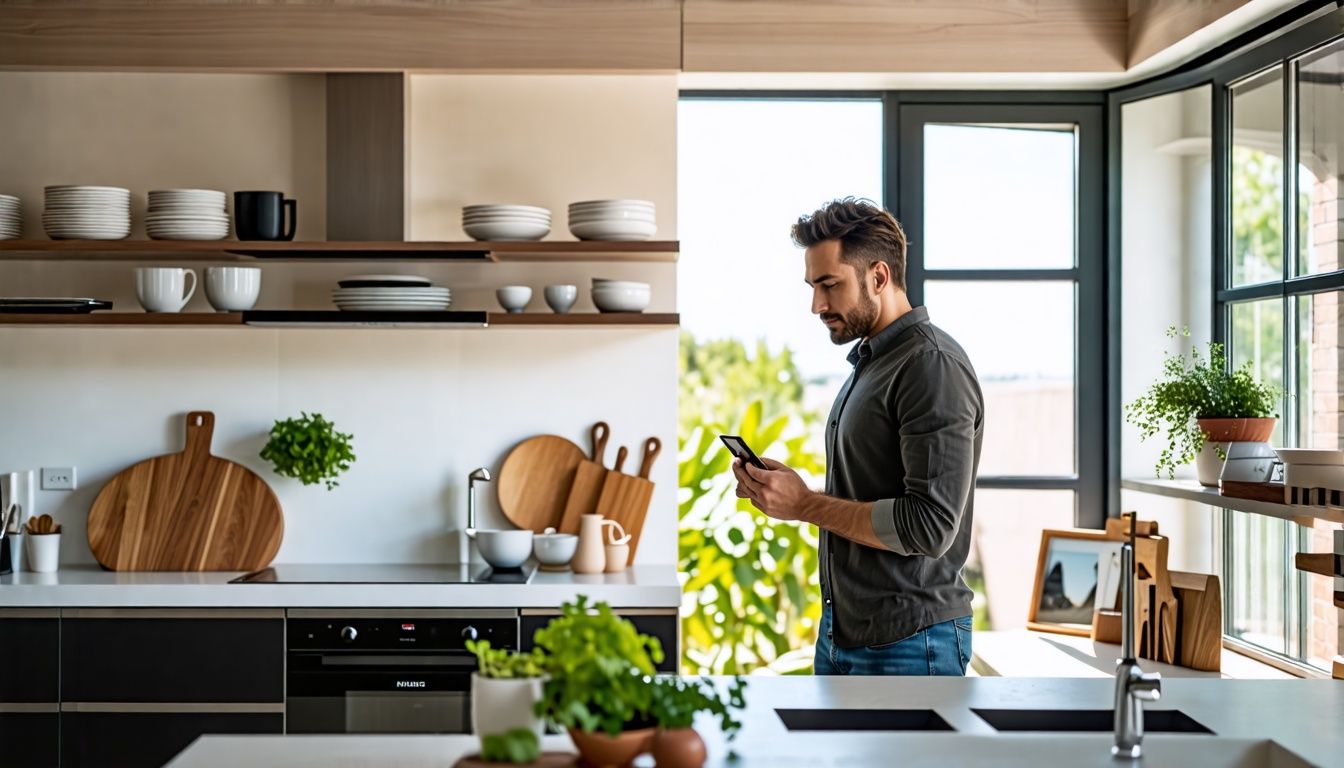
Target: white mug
<point>160,289</point>
<point>232,289</point>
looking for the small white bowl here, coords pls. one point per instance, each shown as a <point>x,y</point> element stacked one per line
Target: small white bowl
<point>608,299</point>
<point>514,298</point>
<point>561,297</point>
<point>503,548</point>
<point>510,230</point>
<point>555,549</point>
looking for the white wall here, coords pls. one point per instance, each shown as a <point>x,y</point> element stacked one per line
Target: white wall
<point>425,406</point>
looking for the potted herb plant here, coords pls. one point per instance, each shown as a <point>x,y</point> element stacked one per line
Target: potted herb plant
<point>1201,404</point>
<point>309,449</point>
<point>675,703</point>
<point>599,674</point>
<point>505,692</point>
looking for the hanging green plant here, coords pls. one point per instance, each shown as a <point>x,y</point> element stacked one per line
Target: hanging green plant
<point>309,449</point>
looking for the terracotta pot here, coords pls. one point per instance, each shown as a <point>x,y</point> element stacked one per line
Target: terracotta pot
<point>679,748</point>
<point>1219,433</point>
<point>602,751</point>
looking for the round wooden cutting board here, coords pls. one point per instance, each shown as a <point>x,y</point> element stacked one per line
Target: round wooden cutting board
<point>535,480</point>
<point>187,511</point>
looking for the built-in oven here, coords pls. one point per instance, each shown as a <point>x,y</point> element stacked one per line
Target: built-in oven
<point>386,671</point>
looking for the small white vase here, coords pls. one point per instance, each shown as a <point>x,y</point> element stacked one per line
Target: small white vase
<point>1208,467</point>
<point>502,705</point>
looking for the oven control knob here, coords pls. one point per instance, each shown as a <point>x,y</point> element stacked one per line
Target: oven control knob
<point>469,633</point>
<point>348,634</point>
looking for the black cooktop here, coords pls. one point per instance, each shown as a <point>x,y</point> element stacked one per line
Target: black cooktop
<point>365,573</point>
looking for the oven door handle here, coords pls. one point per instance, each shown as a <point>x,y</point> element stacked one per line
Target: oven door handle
<point>456,662</point>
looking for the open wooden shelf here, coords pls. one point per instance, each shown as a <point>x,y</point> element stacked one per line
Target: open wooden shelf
<point>584,318</point>
<point>1191,490</point>
<point>339,319</point>
<point>234,250</point>
<point>138,319</point>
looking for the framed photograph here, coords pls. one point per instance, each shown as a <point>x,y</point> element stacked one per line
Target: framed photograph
<point>1075,575</point>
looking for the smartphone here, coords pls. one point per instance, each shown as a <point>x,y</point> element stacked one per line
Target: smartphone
<point>739,448</point>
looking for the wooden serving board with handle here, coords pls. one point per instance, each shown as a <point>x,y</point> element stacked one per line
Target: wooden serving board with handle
<point>535,479</point>
<point>625,498</point>
<point>587,487</point>
<point>187,511</point>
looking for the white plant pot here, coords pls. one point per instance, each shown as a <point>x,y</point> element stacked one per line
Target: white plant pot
<point>1208,467</point>
<point>502,705</point>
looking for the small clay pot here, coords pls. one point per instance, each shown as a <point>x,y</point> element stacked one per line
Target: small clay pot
<point>679,748</point>
<point>602,751</point>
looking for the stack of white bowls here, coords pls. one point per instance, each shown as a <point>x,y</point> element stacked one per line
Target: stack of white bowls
<point>390,293</point>
<point>11,217</point>
<point>506,222</point>
<point>612,220</point>
<point>620,295</point>
<point>187,214</point>
<point>87,213</point>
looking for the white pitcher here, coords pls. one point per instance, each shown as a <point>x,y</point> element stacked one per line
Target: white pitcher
<point>592,556</point>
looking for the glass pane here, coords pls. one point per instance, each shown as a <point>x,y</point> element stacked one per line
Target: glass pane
<point>1320,371</point>
<point>1257,585</point>
<point>1257,180</point>
<point>986,186</point>
<point>1020,338</point>
<point>1322,637</point>
<point>1006,535</point>
<point>1257,337</point>
<point>1320,127</point>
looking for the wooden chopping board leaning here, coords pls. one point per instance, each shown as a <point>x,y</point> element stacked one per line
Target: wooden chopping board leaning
<point>187,511</point>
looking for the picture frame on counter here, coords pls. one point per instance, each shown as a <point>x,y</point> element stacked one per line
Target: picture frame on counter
<point>1076,573</point>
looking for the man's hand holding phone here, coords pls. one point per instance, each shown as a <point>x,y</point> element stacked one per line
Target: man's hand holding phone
<point>773,487</point>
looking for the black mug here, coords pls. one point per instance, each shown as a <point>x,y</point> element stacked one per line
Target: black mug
<point>261,216</point>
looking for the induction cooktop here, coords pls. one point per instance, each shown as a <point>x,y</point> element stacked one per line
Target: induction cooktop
<point>365,573</point>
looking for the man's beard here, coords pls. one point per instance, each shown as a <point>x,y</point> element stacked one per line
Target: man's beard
<point>855,325</point>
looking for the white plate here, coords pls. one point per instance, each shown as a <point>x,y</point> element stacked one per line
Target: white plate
<point>393,308</point>
<point>616,202</point>
<point>435,296</point>
<point>639,218</point>
<point>501,208</point>
<point>503,217</point>
<point>624,231</point>
<point>1323,457</point>
<point>380,302</point>
<point>209,194</point>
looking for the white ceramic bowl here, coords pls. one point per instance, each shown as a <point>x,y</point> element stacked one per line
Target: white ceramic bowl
<point>561,297</point>
<point>500,208</point>
<point>504,549</point>
<point>621,299</point>
<point>555,549</point>
<point>625,215</point>
<point>510,230</point>
<point>612,230</point>
<point>514,298</point>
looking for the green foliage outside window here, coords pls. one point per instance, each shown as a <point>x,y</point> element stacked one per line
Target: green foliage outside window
<point>752,598</point>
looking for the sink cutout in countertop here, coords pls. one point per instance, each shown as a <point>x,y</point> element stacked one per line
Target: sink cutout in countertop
<point>1086,720</point>
<point>863,720</point>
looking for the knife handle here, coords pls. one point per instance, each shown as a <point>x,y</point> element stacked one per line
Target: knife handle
<point>652,447</point>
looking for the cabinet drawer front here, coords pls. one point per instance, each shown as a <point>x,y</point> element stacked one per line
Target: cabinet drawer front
<point>129,740</point>
<point>29,740</point>
<point>663,626</point>
<point>163,659</point>
<point>31,669</point>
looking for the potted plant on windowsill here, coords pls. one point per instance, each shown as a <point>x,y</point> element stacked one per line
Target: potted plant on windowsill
<point>505,692</point>
<point>674,706</point>
<point>1202,404</point>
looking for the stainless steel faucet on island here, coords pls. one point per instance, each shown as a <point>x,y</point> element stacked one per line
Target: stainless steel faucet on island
<point>1132,685</point>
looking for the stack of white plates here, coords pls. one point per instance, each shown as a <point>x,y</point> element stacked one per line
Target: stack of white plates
<point>11,217</point>
<point>390,293</point>
<point>612,220</point>
<point>187,214</point>
<point>87,213</point>
<point>506,222</point>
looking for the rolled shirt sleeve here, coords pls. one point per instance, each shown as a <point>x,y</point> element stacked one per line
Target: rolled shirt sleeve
<point>937,405</point>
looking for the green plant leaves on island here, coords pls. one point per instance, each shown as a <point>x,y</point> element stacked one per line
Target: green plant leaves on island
<point>503,664</point>
<point>519,745</point>
<point>309,449</point>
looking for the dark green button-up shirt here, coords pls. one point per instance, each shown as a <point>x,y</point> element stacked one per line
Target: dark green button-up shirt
<point>905,434</point>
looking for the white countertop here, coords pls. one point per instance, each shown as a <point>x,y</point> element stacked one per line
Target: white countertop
<point>639,586</point>
<point>1026,653</point>
<point>1302,716</point>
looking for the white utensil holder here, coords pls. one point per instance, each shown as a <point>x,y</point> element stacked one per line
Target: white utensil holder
<point>44,552</point>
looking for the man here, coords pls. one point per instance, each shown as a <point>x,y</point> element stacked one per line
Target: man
<point>902,449</point>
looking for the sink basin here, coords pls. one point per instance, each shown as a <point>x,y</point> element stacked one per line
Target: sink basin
<point>1087,720</point>
<point>862,720</point>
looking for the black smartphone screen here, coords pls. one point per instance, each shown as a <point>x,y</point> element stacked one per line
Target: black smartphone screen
<point>739,448</point>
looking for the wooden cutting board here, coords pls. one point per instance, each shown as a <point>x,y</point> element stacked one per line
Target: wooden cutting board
<point>587,485</point>
<point>625,498</point>
<point>187,511</point>
<point>535,479</point>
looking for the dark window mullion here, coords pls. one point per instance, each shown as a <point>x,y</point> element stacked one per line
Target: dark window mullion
<point>986,275</point>
<point>1029,483</point>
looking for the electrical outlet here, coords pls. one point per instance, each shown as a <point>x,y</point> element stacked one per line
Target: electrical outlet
<point>58,478</point>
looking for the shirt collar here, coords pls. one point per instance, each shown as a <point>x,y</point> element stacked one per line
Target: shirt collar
<point>872,347</point>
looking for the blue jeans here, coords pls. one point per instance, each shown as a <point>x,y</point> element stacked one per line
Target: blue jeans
<point>941,649</point>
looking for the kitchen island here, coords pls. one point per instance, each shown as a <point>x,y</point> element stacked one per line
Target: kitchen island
<point>1254,723</point>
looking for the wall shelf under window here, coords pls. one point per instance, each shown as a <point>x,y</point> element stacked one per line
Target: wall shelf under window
<point>1191,490</point>
<point>337,319</point>
<point>234,250</point>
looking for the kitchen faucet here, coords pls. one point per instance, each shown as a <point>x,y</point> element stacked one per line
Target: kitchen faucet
<point>480,474</point>
<point>1132,685</point>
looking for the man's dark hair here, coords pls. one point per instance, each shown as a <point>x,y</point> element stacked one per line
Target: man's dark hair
<point>866,232</point>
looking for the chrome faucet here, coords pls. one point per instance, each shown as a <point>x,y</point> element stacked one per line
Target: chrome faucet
<point>481,474</point>
<point>1132,685</point>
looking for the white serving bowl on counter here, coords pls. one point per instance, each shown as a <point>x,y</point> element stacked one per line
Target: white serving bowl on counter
<point>503,548</point>
<point>554,550</point>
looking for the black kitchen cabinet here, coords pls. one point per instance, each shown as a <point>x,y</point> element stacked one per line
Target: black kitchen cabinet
<point>29,739</point>
<point>663,626</point>
<point>30,642</point>
<point>148,739</point>
<point>157,656</point>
